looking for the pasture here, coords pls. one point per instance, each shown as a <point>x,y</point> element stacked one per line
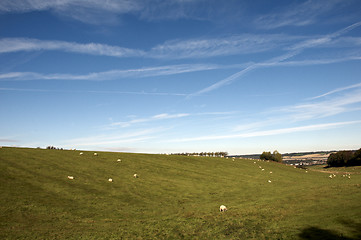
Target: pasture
<point>173,197</point>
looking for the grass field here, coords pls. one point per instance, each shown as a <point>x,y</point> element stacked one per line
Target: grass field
<point>175,197</point>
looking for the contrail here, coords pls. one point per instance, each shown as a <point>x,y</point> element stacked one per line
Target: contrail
<point>295,50</point>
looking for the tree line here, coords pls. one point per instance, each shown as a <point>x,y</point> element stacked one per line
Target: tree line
<point>344,158</point>
<point>204,154</point>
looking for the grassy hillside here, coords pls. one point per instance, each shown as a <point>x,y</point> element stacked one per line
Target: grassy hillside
<point>175,197</point>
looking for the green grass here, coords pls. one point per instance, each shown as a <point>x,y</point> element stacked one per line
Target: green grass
<point>175,197</point>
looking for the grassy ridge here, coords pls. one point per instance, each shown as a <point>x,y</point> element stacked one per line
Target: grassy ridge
<point>175,197</point>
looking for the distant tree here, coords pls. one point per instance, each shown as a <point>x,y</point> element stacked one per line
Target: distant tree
<point>276,156</point>
<point>356,159</point>
<point>266,156</point>
<point>343,158</point>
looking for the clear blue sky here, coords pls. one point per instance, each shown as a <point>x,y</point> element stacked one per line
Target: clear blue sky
<point>181,75</point>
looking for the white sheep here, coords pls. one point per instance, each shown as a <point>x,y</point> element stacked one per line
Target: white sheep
<point>330,176</point>
<point>81,153</point>
<point>135,175</point>
<point>269,181</point>
<point>270,172</point>
<point>222,208</point>
<point>119,160</point>
<point>70,177</point>
<point>262,169</point>
<point>110,180</point>
<point>95,154</point>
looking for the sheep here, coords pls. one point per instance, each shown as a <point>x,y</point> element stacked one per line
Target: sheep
<point>119,160</point>
<point>135,175</point>
<point>330,176</point>
<point>110,180</point>
<point>70,177</point>
<point>270,172</point>
<point>81,153</point>
<point>269,181</point>
<point>222,208</point>
<point>95,154</point>
<point>262,169</point>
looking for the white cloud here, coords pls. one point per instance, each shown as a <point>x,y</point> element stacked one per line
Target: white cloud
<point>157,117</point>
<point>276,61</point>
<point>233,45</point>
<point>27,44</point>
<point>89,11</point>
<point>325,108</point>
<point>113,139</point>
<point>302,14</point>
<point>357,85</point>
<point>107,12</point>
<point>315,127</point>
<point>113,74</point>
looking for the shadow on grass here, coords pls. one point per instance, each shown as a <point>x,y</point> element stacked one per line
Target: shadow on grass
<point>314,233</point>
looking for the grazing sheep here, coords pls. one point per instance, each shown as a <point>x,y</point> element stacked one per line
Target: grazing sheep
<point>81,153</point>
<point>269,181</point>
<point>70,177</point>
<point>135,175</point>
<point>222,208</point>
<point>95,154</point>
<point>110,180</point>
<point>270,172</point>
<point>330,176</point>
<point>119,160</point>
<point>262,169</point>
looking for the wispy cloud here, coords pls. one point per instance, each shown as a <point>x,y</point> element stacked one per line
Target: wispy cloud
<point>325,108</point>
<point>164,116</point>
<point>357,85</point>
<point>300,14</point>
<point>108,12</point>
<point>174,49</point>
<point>314,127</point>
<point>7,140</point>
<point>93,91</point>
<point>27,44</point>
<point>181,49</point>
<point>211,47</point>
<point>293,51</point>
<point>91,11</point>
<point>113,74</point>
<point>157,117</point>
<point>313,108</point>
<point>113,139</point>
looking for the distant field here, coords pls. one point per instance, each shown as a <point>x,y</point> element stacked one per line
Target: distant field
<point>175,197</point>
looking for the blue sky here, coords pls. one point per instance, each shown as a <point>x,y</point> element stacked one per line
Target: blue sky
<point>181,75</point>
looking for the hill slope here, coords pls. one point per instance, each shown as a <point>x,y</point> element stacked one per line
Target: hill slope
<point>175,197</point>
